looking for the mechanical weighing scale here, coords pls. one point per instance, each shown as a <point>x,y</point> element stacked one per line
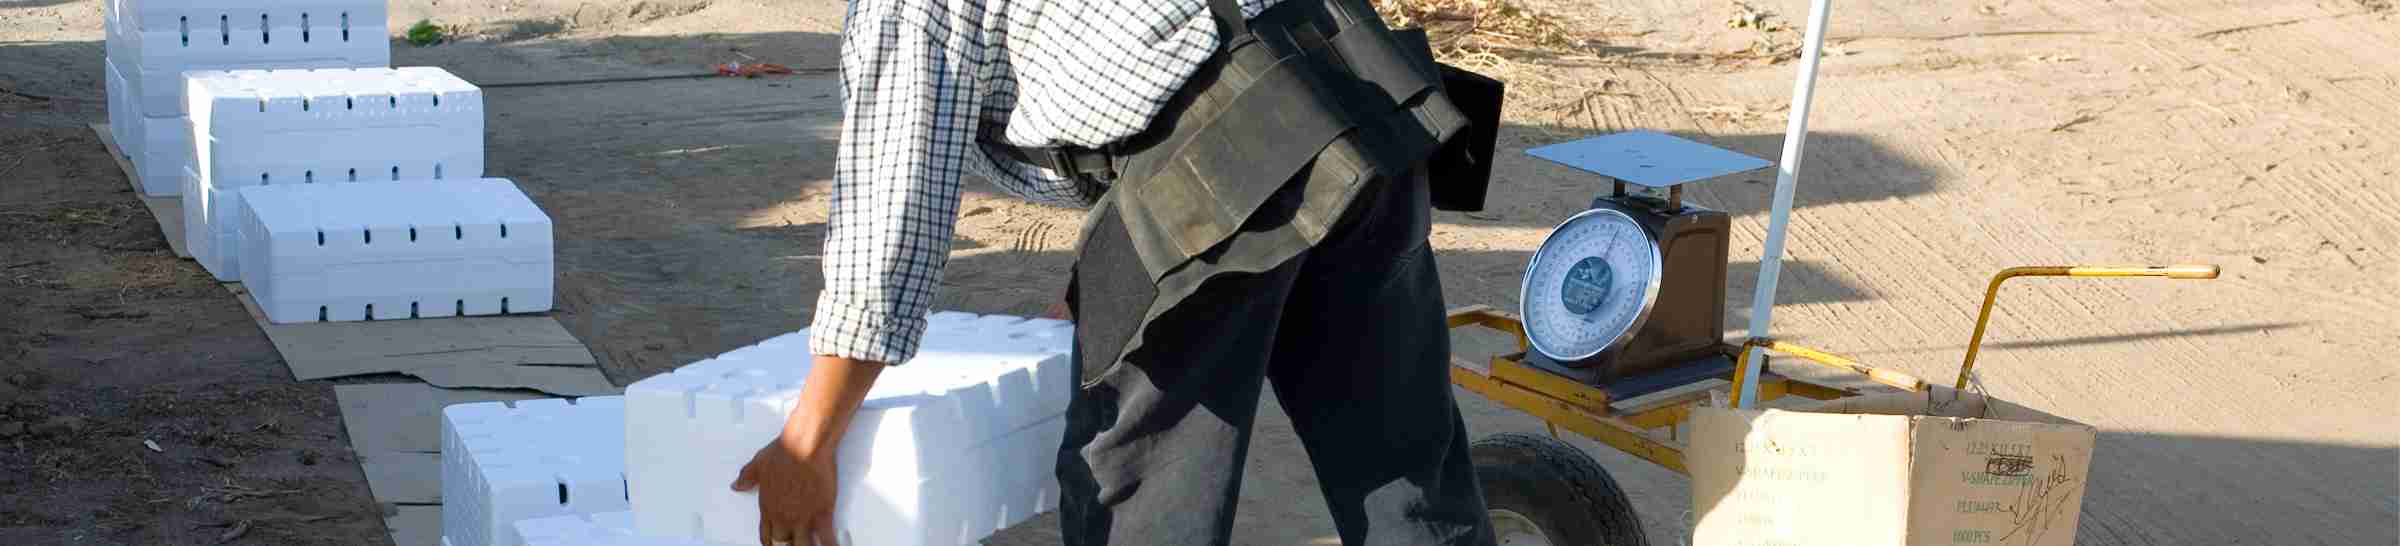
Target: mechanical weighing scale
<point>1635,284</point>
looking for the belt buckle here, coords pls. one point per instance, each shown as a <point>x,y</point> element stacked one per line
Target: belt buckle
<point>1061,160</point>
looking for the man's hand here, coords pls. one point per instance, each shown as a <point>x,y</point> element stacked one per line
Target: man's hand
<point>795,493</point>
<point>794,475</point>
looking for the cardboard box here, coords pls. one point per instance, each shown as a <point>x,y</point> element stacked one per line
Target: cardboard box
<point>1913,468</point>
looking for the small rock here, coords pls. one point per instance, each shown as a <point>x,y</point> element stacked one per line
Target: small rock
<point>2258,259</point>
<point>11,430</point>
<point>308,458</point>
<point>60,426</point>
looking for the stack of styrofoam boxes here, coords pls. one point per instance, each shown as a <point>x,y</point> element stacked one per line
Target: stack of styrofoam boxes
<point>505,462</point>
<point>151,43</point>
<point>958,443</point>
<point>301,127</point>
<point>387,250</point>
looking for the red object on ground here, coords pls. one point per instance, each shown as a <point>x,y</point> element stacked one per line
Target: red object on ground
<point>751,70</point>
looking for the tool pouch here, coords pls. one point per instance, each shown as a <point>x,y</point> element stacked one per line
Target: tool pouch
<point>1461,171</point>
<point>1314,90</point>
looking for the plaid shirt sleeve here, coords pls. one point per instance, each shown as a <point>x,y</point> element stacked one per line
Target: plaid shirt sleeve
<point>909,105</point>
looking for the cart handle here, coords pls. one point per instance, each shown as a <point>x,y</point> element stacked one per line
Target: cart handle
<point>1488,317</point>
<point>1894,378</point>
<point>1991,294</point>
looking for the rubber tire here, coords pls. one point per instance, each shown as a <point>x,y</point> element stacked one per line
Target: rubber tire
<point>1562,490</point>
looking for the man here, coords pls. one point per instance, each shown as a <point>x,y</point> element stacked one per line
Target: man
<point>1260,215</point>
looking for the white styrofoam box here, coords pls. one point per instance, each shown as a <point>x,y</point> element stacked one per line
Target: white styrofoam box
<point>153,62</point>
<point>335,124</point>
<point>606,529</point>
<point>267,127</point>
<point>157,147</point>
<point>387,250</point>
<point>210,247</point>
<point>934,495</point>
<point>503,462</point>
<point>165,153</point>
<point>949,447</point>
<point>220,21</point>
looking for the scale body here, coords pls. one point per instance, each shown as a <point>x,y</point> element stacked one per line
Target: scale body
<point>1599,306</point>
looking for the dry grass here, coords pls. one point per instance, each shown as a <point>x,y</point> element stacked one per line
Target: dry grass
<point>228,492</point>
<point>1484,32</point>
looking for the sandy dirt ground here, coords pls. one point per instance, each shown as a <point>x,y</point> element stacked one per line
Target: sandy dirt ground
<point>1950,139</point>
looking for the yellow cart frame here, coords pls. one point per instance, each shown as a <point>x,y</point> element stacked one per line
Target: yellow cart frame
<point>1645,425</point>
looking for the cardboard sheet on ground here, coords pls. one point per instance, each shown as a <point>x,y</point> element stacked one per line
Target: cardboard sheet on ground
<point>168,211</point>
<point>409,478</point>
<point>319,350</point>
<point>530,351</point>
<point>405,417</point>
<point>415,526</point>
<point>557,380</point>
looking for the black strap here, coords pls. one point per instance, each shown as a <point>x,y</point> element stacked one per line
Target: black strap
<point>1231,25</point>
<point>1064,160</point>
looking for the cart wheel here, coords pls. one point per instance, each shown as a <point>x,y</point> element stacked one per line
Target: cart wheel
<point>1544,492</point>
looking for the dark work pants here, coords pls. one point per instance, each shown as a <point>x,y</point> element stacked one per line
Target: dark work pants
<point>1349,332</point>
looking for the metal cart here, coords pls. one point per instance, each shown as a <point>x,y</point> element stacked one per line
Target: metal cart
<point>1543,491</point>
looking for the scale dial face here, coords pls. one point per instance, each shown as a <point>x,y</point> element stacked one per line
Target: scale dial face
<point>1590,286</point>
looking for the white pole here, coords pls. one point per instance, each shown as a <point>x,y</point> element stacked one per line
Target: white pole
<point>1787,175</point>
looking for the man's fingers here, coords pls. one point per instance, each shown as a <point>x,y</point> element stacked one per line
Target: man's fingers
<point>748,479</point>
<point>822,529</point>
<point>774,530</point>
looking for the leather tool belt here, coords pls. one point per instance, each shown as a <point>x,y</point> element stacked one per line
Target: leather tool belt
<point>1305,83</point>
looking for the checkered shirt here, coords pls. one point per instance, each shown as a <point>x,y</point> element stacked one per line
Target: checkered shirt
<point>919,77</point>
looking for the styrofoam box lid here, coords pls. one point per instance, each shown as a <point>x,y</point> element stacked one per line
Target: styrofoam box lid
<point>285,208</point>
<point>204,15</point>
<point>328,92</point>
<point>967,359</point>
